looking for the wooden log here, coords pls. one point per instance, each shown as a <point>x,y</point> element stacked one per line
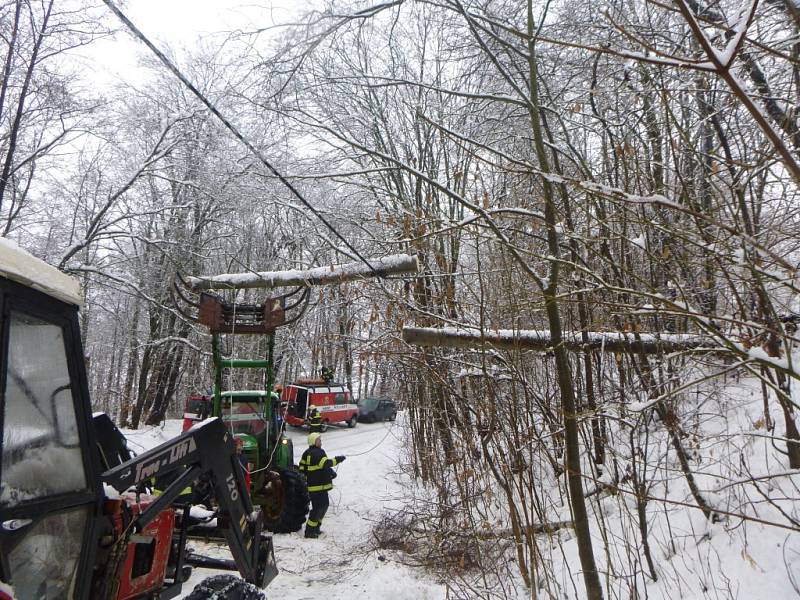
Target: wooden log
<point>380,267</point>
<point>528,339</point>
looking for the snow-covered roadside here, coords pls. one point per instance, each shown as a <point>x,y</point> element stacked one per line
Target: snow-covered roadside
<point>748,554</point>
<point>333,567</point>
<point>734,464</point>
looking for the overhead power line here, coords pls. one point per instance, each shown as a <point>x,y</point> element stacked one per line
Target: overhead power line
<point>232,128</point>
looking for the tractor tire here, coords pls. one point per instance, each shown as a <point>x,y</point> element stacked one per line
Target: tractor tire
<point>293,504</point>
<point>352,422</point>
<point>225,587</point>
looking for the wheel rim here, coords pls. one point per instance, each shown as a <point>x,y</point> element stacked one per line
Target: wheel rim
<point>272,496</point>
<point>294,504</point>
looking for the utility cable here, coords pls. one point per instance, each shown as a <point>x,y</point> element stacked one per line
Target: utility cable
<point>175,71</point>
<point>375,447</point>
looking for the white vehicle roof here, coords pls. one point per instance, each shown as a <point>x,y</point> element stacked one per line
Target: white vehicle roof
<point>320,388</point>
<point>21,266</point>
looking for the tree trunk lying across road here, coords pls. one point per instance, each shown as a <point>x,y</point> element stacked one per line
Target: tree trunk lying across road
<point>379,267</point>
<point>531,339</point>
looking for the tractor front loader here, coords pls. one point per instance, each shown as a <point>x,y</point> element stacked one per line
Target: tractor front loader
<point>253,416</point>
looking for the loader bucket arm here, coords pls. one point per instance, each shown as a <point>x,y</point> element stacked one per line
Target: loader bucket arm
<point>206,449</point>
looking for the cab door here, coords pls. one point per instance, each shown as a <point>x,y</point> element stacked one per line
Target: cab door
<point>48,495</point>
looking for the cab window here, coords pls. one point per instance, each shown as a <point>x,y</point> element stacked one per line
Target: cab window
<point>199,406</point>
<point>44,564</point>
<point>41,448</point>
<point>244,415</point>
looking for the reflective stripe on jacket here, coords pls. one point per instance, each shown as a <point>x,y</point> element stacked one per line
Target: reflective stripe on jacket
<point>317,467</point>
<point>314,418</point>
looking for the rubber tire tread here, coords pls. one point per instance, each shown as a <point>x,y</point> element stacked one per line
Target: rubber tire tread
<point>225,587</point>
<point>295,508</point>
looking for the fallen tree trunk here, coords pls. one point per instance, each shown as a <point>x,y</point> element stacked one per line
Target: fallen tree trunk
<point>530,339</point>
<point>379,267</point>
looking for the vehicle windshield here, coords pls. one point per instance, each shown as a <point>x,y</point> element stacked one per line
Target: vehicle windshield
<point>197,405</point>
<point>243,415</point>
<point>369,403</point>
<point>41,448</point>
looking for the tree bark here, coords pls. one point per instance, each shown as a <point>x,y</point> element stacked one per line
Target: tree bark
<point>591,579</point>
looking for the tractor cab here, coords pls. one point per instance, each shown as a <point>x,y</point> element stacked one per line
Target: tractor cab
<point>49,489</point>
<point>251,417</point>
<point>247,412</point>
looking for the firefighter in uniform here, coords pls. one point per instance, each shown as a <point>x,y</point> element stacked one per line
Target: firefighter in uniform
<point>318,469</point>
<point>314,419</point>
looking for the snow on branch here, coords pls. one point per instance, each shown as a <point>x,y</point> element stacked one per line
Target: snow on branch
<point>530,339</point>
<point>380,267</point>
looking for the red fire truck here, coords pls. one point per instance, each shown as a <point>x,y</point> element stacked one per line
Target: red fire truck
<point>332,400</point>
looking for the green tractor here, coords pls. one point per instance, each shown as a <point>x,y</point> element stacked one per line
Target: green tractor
<point>253,417</point>
<point>275,483</point>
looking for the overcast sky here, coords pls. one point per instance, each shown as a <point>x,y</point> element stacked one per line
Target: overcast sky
<point>178,24</point>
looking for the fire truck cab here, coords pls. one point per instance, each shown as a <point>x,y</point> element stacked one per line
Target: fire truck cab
<point>332,400</point>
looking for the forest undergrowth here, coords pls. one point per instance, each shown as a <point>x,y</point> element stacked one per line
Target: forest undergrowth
<point>492,520</point>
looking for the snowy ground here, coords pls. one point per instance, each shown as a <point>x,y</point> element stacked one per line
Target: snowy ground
<point>694,559</point>
<point>335,566</point>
